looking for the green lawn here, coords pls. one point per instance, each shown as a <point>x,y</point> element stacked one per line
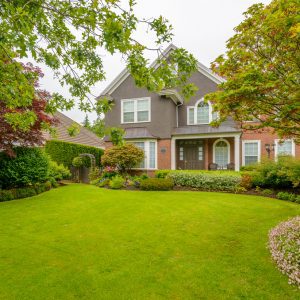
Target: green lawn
<point>82,242</point>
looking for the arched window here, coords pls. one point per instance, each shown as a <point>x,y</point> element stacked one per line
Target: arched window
<point>201,113</point>
<point>221,153</point>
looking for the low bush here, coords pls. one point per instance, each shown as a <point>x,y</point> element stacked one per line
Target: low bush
<point>246,181</point>
<point>287,196</point>
<point>28,167</point>
<point>116,182</point>
<point>284,241</point>
<point>29,191</point>
<point>109,172</point>
<point>25,192</point>
<point>162,173</point>
<point>267,192</point>
<point>157,184</point>
<point>58,172</point>
<point>6,195</point>
<point>94,174</point>
<point>207,180</point>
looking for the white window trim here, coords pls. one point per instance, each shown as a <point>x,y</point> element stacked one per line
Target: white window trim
<point>210,113</point>
<point>214,149</point>
<point>135,111</point>
<point>147,151</point>
<point>277,141</point>
<point>243,150</point>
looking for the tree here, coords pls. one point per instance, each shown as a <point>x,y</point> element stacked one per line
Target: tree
<point>15,128</point>
<point>124,157</point>
<point>262,70</point>
<point>86,122</point>
<point>68,36</point>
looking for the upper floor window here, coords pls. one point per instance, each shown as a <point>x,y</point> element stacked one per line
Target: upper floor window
<point>286,147</point>
<point>135,110</point>
<point>201,113</point>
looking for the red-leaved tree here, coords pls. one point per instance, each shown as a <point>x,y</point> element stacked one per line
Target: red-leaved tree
<point>31,134</point>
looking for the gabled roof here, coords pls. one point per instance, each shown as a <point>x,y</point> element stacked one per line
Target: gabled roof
<point>84,137</point>
<point>125,73</point>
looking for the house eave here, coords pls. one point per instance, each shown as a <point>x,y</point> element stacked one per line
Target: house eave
<point>125,73</point>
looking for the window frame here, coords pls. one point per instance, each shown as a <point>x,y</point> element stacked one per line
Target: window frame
<point>287,140</point>
<point>243,150</point>
<point>135,110</point>
<point>214,149</point>
<point>210,113</point>
<point>147,152</point>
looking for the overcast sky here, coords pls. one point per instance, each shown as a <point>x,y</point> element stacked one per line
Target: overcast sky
<point>200,26</point>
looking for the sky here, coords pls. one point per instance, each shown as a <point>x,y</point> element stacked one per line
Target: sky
<point>200,26</point>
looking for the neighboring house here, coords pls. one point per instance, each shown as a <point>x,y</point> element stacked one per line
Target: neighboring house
<point>84,137</point>
<point>176,134</point>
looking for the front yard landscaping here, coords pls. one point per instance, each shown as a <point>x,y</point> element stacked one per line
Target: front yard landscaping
<point>79,241</point>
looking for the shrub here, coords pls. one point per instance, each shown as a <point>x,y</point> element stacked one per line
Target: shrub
<point>6,195</point>
<point>267,192</point>
<point>124,157</point>
<point>25,192</point>
<point>30,166</point>
<point>211,181</point>
<point>58,172</point>
<point>283,173</point>
<point>162,173</point>
<point>109,172</point>
<point>284,241</point>
<point>64,152</point>
<point>116,182</point>
<point>94,174</point>
<point>157,184</point>
<point>246,181</point>
<point>77,162</point>
<point>286,196</point>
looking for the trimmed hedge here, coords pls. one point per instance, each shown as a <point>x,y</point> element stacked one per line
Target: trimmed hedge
<point>157,184</point>
<point>65,152</point>
<point>207,180</point>
<point>30,166</point>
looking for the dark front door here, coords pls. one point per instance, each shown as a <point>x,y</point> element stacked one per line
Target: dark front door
<point>190,154</point>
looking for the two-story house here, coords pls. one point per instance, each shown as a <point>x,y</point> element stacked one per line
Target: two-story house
<point>177,135</point>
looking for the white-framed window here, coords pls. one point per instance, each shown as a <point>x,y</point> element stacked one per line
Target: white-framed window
<point>284,147</point>
<point>136,110</point>
<point>150,149</point>
<point>221,153</point>
<point>251,150</point>
<point>201,113</point>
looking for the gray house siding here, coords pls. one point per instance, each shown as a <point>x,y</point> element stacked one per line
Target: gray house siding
<point>163,111</point>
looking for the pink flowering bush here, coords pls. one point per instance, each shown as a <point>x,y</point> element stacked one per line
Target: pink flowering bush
<point>284,244</point>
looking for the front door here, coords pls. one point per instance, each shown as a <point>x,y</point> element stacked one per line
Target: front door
<point>190,154</point>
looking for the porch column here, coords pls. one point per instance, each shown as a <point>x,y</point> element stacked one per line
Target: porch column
<point>173,154</point>
<point>237,152</point>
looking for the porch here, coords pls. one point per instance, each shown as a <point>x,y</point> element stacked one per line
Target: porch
<point>206,153</point>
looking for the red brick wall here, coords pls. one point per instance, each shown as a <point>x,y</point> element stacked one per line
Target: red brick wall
<point>265,137</point>
<point>164,154</point>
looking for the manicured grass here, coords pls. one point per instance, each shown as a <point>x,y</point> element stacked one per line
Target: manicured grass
<point>82,242</point>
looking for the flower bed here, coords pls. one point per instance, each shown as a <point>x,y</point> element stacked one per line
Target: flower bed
<point>284,244</point>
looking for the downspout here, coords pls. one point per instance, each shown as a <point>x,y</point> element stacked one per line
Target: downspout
<point>177,113</point>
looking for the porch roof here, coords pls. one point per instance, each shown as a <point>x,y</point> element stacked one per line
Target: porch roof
<point>204,129</point>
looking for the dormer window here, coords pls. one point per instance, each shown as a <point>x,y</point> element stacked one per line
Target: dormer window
<point>201,113</point>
